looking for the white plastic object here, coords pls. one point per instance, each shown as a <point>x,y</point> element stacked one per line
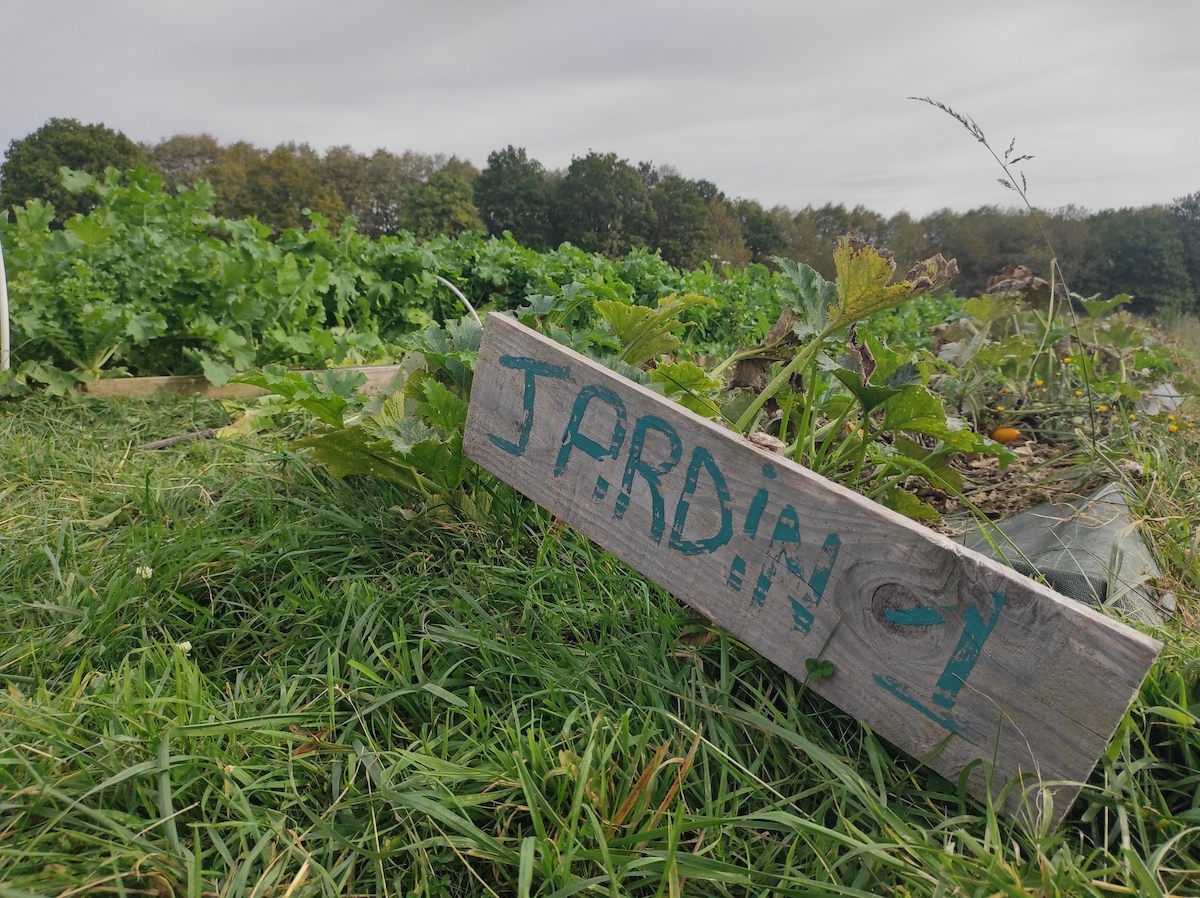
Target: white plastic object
<point>5,350</point>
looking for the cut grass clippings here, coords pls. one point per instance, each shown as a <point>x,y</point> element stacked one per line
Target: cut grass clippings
<point>226,673</point>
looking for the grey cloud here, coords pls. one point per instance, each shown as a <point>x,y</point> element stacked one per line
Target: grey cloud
<point>785,102</point>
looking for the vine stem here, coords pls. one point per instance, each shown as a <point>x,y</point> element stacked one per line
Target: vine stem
<point>737,357</point>
<point>801,358</point>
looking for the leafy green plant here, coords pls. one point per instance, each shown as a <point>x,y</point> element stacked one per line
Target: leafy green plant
<point>645,334</point>
<point>819,310</point>
<point>151,282</point>
<point>871,425</point>
<point>410,433</point>
<point>856,412</point>
<point>1005,363</point>
<point>69,310</point>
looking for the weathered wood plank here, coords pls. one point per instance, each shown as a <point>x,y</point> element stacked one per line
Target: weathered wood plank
<point>947,654</point>
<point>378,377</point>
<point>160,386</point>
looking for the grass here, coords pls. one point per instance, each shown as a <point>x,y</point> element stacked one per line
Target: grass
<point>226,673</point>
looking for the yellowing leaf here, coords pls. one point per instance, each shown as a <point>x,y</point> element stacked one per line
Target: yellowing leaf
<point>862,281</point>
<point>863,273</point>
<point>239,427</point>
<point>108,520</point>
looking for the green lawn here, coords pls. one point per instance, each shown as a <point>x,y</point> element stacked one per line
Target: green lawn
<point>226,673</point>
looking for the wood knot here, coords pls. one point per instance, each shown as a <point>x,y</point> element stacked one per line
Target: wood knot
<point>902,611</point>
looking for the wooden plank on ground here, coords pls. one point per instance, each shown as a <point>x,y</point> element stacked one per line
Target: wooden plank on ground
<point>378,377</point>
<point>161,386</point>
<point>947,654</point>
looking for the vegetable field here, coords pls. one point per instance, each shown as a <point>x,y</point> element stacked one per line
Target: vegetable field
<point>326,654</point>
<point>151,283</point>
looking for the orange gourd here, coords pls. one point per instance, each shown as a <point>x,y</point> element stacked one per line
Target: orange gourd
<point>1006,434</point>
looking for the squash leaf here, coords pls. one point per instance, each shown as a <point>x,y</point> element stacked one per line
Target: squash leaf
<point>1098,308</point>
<point>646,333</point>
<point>809,295</point>
<point>908,505</point>
<point>863,273</point>
<point>353,450</point>
<point>327,394</point>
<point>689,382</point>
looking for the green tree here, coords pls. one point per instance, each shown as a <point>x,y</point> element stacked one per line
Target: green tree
<point>809,242</point>
<point>230,177</point>
<point>727,248</point>
<point>376,189</point>
<point>602,205</point>
<point>761,230</point>
<point>984,240</point>
<point>345,172</point>
<point>390,179</point>
<point>31,167</point>
<point>682,230</point>
<point>184,159</point>
<point>281,184</point>
<point>1144,257</point>
<point>460,167</point>
<point>811,233</point>
<point>512,195</point>
<point>1078,248</point>
<point>1186,211</point>
<point>444,204</point>
<point>907,240</point>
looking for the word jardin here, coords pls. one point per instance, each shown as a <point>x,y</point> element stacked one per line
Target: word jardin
<point>785,532</point>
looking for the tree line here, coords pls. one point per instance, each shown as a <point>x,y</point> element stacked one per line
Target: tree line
<point>602,203</point>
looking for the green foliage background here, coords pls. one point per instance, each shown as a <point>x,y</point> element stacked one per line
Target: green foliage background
<point>153,282</point>
<point>31,166</point>
<point>610,205</point>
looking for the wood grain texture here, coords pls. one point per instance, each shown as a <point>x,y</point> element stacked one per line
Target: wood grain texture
<point>947,654</point>
<point>378,377</point>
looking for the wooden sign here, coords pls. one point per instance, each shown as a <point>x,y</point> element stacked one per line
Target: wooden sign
<point>947,654</point>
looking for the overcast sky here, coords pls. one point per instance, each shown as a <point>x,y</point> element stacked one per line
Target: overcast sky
<point>784,102</point>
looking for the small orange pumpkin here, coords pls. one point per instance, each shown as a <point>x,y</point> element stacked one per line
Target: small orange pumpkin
<point>1006,434</point>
